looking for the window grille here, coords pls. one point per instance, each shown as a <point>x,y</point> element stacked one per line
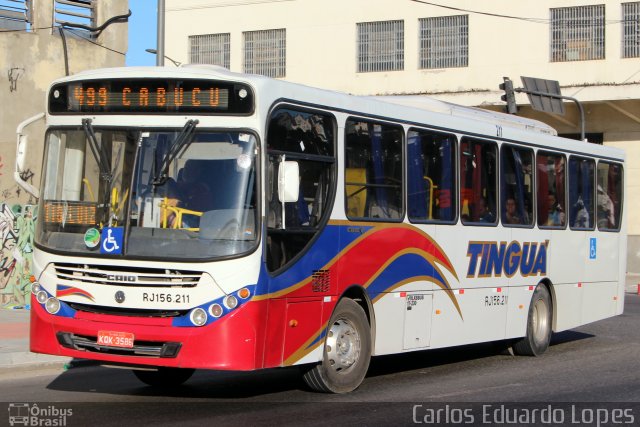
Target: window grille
<point>444,42</point>
<point>631,30</point>
<point>265,52</point>
<point>577,33</point>
<point>210,49</point>
<point>380,46</point>
<point>15,14</point>
<point>75,12</point>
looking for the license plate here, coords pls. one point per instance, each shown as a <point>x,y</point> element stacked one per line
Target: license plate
<point>115,339</point>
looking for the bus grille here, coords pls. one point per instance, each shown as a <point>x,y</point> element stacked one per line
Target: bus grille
<point>140,348</point>
<point>140,277</point>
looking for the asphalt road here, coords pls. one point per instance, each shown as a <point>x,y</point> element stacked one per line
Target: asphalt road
<point>596,363</point>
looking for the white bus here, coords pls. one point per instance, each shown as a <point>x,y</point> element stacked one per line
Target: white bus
<point>195,218</point>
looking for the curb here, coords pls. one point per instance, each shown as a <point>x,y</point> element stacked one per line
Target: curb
<point>16,362</point>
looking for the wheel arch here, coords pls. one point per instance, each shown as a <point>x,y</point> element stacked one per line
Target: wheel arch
<point>359,294</point>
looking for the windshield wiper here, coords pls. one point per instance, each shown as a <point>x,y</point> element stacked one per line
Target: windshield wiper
<point>98,151</point>
<point>181,143</point>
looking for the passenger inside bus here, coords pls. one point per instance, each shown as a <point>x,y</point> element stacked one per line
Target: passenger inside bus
<point>556,214</point>
<point>510,215</point>
<point>484,212</point>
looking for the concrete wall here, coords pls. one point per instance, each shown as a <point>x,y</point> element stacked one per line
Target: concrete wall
<point>321,42</point>
<point>321,51</point>
<point>29,61</point>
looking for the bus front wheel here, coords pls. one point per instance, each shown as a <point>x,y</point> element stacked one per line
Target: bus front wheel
<point>164,377</point>
<point>538,336</point>
<point>347,351</point>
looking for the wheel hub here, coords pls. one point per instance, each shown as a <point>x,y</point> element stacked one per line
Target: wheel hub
<point>343,345</point>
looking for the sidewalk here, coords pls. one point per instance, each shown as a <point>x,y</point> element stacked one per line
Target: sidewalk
<point>14,345</point>
<point>14,340</point>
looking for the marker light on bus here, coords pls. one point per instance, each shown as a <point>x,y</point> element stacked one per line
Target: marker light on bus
<point>198,316</point>
<point>244,293</point>
<point>230,302</point>
<point>42,296</point>
<point>215,310</point>
<point>52,305</point>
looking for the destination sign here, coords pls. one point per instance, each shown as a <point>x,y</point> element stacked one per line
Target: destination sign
<point>151,96</point>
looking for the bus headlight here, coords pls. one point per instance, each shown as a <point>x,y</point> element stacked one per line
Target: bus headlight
<point>42,296</point>
<point>215,310</point>
<point>35,288</point>
<point>230,302</point>
<point>52,305</point>
<point>198,316</point>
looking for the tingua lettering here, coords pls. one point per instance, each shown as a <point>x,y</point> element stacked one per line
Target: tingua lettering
<point>494,259</point>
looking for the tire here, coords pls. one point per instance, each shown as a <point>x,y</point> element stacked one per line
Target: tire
<point>538,336</point>
<point>164,377</point>
<point>347,351</point>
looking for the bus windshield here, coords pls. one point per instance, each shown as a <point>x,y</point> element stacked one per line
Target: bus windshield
<point>180,194</point>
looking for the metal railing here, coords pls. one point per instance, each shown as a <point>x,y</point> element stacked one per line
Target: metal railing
<point>631,30</point>
<point>265,52</point>
<point>210,49</point>
<point>380,46</point>
<point>577,33</point>
<point>15,14</point>
<point>75,12</point>
<point>444,42</point>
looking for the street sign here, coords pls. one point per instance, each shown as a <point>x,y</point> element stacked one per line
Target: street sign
<point>548,104</point>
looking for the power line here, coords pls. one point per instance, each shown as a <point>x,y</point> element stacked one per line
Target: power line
<point>496,15</point>
<point>236,3</point>
<point>92,42</point>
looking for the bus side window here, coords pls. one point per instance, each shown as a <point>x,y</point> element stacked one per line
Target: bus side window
<point>581,193</point>
<point>516,185</point>
<point>307,138</point>
<point>431,176</point>
<point>551,190</point>
<point>373,174</point>
<point>478,181</point>
<point>609,189</point>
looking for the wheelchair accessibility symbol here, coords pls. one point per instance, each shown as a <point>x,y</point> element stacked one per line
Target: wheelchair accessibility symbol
<point>592,248</point>
<point>111,241</point>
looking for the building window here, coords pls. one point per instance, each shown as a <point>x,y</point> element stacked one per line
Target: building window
<point>373,170</point>
<point>577,33</point>
<point>380,46</point>
<point>631,30</point>
<point>444,42</point>
<point>210,49</point>
<point>72,13</point>
<point>15,14</point>
<point>265,52</point>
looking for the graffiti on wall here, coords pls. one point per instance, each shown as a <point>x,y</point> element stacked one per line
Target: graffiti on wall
<point>17,229</point>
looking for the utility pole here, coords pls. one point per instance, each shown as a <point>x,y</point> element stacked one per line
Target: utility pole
<point>160,36</point>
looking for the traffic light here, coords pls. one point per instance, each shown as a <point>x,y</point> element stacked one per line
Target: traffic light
<point>509,95</point>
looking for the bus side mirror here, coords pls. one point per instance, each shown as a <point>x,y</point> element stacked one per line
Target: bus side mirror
<point>288,182</point>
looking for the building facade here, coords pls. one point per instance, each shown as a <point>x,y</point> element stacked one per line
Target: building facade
<point>457,51</point>
<point>33,53</point>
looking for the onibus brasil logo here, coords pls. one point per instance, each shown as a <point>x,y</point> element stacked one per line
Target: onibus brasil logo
<point>30,414</point>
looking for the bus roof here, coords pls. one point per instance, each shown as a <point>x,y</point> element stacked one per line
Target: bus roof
<point>441,114</point>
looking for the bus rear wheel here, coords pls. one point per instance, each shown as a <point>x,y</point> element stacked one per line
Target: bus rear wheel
<point>347,351</point>
<point>164,377</point>
<point>538,336</point>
